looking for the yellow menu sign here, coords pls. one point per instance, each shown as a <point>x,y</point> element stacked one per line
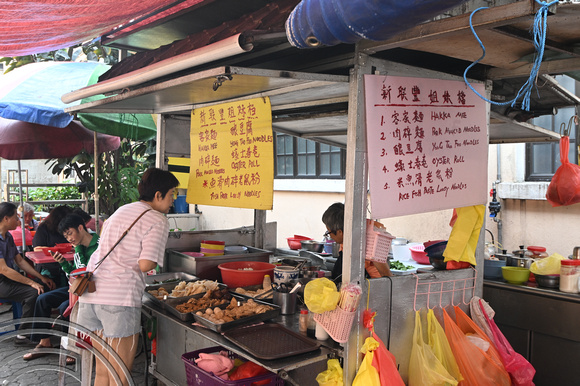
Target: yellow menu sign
<point>232,155</point>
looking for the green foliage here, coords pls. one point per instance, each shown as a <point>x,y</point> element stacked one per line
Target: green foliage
<point>54,193</point>
<point>119,173</point>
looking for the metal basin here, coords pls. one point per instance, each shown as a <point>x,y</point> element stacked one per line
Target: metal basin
<point>312,245</point>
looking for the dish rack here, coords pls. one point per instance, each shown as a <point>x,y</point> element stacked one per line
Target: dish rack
<point>378,244</point>
<point>337,323</point>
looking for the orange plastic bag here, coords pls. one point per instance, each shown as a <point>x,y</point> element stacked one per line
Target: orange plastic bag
<point>565,186</point>
<point>424,366</point>
<point>385,362</point>
<point>477,366</point>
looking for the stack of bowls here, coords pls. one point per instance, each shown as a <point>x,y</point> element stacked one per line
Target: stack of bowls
<point>212,247</point>
<point>434,251</point>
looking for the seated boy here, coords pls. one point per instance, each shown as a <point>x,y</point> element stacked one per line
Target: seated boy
<point>72,227</point>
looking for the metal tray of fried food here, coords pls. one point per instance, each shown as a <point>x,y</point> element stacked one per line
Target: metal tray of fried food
<point>171,304</point>
<point>271,341</point>
<point>257,318</point>
<point>169,287</point>
<point>168,278</point>
<point>267,298</point>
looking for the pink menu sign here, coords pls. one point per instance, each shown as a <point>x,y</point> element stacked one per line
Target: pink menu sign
<point>427,145</point>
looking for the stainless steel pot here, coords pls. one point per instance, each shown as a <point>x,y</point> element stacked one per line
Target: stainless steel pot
<point>523,262</point>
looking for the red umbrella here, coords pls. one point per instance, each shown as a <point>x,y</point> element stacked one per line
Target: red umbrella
<point>22,140</point>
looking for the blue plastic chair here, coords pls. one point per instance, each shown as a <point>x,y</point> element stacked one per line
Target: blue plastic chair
<point>16,313</point>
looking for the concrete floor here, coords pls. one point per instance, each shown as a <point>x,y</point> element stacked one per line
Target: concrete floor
<point>45,371</point>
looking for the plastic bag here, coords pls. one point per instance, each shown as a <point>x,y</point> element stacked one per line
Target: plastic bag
<point>564,189</point>
<point>463,239</point>
<point>520,370</point>
<point>476,366</point>
<point>547,266</point>
<point>386,364</point>
<point>468,326</point>
<point>321,295</point>
<point>424,366</point>
<point>440,346</point>
<point>367,374</point>
<point>332,376</point>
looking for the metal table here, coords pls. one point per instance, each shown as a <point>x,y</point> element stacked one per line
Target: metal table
<point>175,337</point>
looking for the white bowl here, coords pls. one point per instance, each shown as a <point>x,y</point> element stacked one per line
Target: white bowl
<point>235,249</point>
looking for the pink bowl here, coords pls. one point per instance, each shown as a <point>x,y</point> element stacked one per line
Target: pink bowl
<point>193,254</point>
<point>215,242</point>
<point>418,254</point>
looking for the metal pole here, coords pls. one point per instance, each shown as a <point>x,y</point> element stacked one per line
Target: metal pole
<point>96,163</point>
<point>21,208</point>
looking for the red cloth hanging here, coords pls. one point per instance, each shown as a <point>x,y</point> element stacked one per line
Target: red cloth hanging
<point>32,27</point>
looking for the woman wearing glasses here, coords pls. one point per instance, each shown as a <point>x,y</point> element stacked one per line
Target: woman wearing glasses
<point>333,218</point>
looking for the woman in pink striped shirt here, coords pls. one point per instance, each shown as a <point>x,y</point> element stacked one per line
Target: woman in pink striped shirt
<point>113,310</point>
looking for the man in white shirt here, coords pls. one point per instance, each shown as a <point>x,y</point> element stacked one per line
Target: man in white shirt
<point>113,311</point>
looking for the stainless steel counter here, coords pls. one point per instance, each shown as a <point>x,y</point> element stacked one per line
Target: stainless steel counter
<point>175,337</point>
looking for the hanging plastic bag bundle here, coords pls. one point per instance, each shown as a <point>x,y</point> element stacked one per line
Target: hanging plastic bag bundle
<point>520,370</point>
<point>440,346</point>
<point>424,366</point>
<point>332,376</point>
<point>564,189</point>
<point>476,366</point>
<point>321,295</point>
<point>379,366</point>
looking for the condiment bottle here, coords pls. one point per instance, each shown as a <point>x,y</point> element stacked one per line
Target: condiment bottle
<point>569,275</point>
<point>311,330</point>
<point>303,321</point>
<point>535,252</point>
<point>267,283</point>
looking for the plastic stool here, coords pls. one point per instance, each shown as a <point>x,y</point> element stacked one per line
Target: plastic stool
<point>16,313</point>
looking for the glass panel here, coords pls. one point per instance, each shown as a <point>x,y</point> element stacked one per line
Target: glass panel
<point>311,164</point>
<point>301,146</point>
<point>311,146</point>
<point>301,165</point>
<point>289,145</point>
<point>324,164</point>
<point>335,164</point>
<point>279,145</point>
<point>290,165</point>
<point>324,148</point>
<point>542,158</point>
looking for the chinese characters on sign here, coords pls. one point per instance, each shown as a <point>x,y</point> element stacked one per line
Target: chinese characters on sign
<point>427,145</point>
<point>232,155</point>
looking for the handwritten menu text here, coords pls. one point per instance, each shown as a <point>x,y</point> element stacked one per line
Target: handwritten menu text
<point>232,155</point>
<point>427,145</point>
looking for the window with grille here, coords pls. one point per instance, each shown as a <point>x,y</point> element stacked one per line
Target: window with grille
<point>302,158</point>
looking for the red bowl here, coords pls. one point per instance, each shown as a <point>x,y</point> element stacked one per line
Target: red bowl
<point>295,242</point>
<point>418,254</point>
<point>215,242</point>
<point>245,273</point>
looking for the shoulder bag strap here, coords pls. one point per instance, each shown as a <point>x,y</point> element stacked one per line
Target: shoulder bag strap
<point>97,265</point>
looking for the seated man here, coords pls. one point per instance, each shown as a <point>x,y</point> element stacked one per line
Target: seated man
<point>73,228</point>
<point>13,285</point>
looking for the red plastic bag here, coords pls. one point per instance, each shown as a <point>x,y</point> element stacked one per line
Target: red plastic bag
<point>386,364</point>
<point>520,370</point>
<point>565,186</point>
<point>248,369</point>
<point>477,366</point>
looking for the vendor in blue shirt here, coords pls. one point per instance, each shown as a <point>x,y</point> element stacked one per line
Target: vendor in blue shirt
<point>13,285</point>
